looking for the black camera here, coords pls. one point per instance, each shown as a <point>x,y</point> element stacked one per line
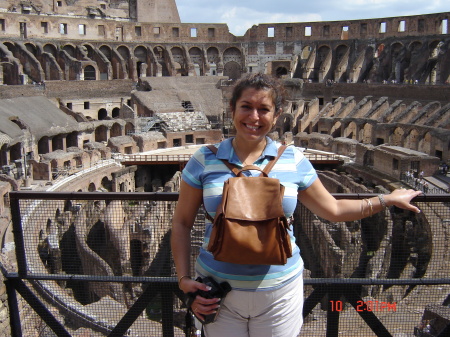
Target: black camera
<point>218,290</point>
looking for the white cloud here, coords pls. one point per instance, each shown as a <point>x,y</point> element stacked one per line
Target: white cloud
<point>238,22</point>
<point>240,15</point>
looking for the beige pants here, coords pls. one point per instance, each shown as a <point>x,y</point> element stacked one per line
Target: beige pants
<point>274,313</point>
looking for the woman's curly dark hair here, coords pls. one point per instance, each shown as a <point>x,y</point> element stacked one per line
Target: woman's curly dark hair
<point>260,81</point>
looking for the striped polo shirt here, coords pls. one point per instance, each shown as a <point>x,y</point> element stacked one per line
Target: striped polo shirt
<point>206,171</point>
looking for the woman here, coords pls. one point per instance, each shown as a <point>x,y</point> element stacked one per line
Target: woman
<point>265,300</point>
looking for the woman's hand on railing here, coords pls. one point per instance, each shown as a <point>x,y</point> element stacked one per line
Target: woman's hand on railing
<point>402,198</point>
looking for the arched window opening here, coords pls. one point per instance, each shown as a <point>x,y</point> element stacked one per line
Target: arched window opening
<point>89,73</point>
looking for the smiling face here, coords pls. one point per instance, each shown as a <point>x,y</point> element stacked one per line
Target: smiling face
<point>254,114</point>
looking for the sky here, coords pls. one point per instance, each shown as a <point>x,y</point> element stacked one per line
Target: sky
<point>241,15</point>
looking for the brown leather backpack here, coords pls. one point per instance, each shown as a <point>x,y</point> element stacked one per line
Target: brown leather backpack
<point>250,226</point>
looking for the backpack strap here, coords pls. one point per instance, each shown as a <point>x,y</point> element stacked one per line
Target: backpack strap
<point>271,164</point>
<point>232,167</point>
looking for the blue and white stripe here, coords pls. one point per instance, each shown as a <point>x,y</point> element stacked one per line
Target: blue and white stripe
<point>206,171</point>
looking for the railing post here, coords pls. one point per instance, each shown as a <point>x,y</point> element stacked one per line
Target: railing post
<point>167,310</point>
<point>333,312</point>
<point>18,236</point>
<point>44,313</point>
<point>14,316</point>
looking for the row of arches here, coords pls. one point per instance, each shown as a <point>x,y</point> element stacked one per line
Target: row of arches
<point>424,60</point>
<point>101,133</point>
<point>365,131</point>
<point>414,61</point>
<point>107,62</point>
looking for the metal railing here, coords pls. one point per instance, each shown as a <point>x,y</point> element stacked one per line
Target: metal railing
<point>101,261</point>
<point>143,158</point>
<point>180,158</point>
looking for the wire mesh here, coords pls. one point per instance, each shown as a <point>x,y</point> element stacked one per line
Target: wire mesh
<point>395,244</point>
<point>101,262</point>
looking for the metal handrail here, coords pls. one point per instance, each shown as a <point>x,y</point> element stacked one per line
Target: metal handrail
<point>335,288</point>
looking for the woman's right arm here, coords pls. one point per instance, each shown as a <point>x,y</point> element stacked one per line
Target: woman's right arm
<point>189,201</point>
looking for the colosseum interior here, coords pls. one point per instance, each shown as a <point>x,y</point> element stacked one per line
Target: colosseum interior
<point>85,86</point>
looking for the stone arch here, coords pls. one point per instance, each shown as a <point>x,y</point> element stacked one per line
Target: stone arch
<point>351,130</point>
<point>91,187</point>
<point>412,140</point>
<point>340,53</point>
<point>141,53</point>
<point>106,51</point>
<point>381,68</point>
<point>124,51</point>
<point>107,184</point>
<point>4,155</point>
<point>212,55</point>
<point>67,206</point>
<point>284,123</point>
<point>414,50</point>
<point>9,70</point>
<point>57,142</point>
<point>368,56</point>
<point>15,152</point>
<point>233,61</point>
<point>78,162</point>
<point>281,71</point>
<point>232,70</point>
<point>101,134</point>
<point>397,137</point>
<point>89,73</point>
<point>415,46</point>
<point>366,134</point>
<point>425,143</point>
<point>70,50</point>
<point>90,50</point>
<point>196,56</point>
<point>72,139</point>
<point>11,46</point>
<point>115,112</point>
<point>179,61</point>
<point>433,65</point>
<point>161,56</point>
<point>125,55</point>
<point>129,128</point>
<point>321,64</point>
<point>116,130</point>
<point>398,59</point>
<point>335,130</point>
<point>142,61</point>
<point>31,48</point>
<point>43,145</point>
<point>102,114</point>
<point>306,52</point>
<point>50,49</point>
<point>213,59</point>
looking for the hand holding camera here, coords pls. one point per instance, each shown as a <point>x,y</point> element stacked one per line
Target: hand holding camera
<point>217,291</point>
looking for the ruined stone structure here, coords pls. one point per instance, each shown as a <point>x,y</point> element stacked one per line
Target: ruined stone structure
<point>71,43</point>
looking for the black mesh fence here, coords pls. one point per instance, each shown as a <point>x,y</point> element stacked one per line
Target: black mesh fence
<point>100,264</point>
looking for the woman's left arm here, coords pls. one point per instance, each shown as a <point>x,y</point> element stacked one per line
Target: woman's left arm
<point>319,201</point>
